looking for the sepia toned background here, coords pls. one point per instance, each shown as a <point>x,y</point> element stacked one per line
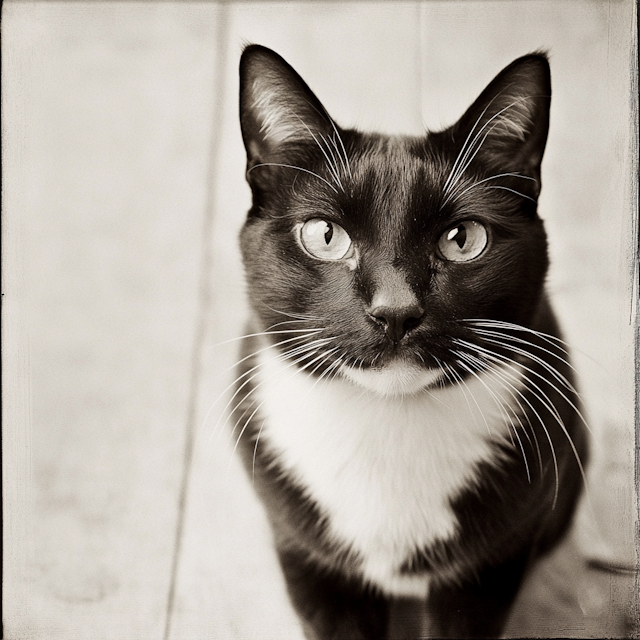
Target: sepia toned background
<point>126,514</point>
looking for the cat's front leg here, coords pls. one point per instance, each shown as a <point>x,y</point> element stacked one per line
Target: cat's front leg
<point>331,606</point>
<point>478,608</point>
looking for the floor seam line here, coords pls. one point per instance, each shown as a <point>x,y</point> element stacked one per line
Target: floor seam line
<point>204,305</point>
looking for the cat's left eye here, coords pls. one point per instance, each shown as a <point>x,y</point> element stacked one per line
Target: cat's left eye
<point>325,240</point>
<point>466,241</point>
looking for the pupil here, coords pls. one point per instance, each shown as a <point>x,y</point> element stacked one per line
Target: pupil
<point>328,234</point>
<point>461,236</point>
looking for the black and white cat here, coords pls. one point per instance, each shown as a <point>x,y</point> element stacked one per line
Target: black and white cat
<point>404,403</point>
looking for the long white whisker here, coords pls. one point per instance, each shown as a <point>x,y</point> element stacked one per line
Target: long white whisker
<point>455,193</point>
<point>500,334</point>
<point>463,151</point>
<point>282,342</point>
<point>289,166</point>
<point>501,406</point>
<point>512,392</point>
<point>458,379</point>
<point>246,373</point>
<point>246,424</point>
<point>542,396</point>
<point>493,372</point>
<point>535,373</point>
<point>298,316</point>
<point>475,375</point>
<point>484,126</point>
<point>551,339</point>
<point>554,372</point>
<point>335,160</point>
<point>546,431</point>
<point>282,357</point>
<point>522,195</point>
<point>332,167</point>
<point>344,151</point>
<point>255,448</point>
<point>267,333</point>
<point>468,159</point>
<point>296,351</point>
<point>323,358</point>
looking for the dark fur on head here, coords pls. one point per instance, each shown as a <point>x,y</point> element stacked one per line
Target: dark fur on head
<point>389,194</point>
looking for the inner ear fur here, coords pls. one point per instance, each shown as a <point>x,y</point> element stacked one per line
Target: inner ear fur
<point>278,111</point>
<point>508,123</point>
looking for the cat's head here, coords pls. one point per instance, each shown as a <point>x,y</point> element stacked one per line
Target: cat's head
<point>366,254</point>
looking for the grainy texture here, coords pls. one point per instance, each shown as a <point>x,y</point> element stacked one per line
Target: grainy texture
<point>108,113</point>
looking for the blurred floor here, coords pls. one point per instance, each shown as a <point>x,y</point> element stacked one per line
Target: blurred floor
<point>125,513</point>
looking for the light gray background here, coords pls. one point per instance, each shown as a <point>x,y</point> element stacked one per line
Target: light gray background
<point>125,514</point>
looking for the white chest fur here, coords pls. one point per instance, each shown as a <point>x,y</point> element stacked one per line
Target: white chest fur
<point>382,468</point>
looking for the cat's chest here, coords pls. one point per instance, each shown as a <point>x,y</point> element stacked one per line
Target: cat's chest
<point>383,470</point>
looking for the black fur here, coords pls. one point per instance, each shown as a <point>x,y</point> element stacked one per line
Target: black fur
<point>393,202</point>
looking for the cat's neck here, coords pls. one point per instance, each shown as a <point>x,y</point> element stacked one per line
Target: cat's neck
<point>384,469</point>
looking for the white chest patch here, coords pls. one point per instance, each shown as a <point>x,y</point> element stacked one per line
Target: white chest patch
<point>382,467</point>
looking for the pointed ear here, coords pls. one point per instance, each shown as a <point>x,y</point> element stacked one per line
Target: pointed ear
<point>509,122</point>
<point>278,111</point>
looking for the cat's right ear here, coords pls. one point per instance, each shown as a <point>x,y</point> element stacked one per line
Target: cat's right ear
<point>279,114</point>
<point>507,126</point>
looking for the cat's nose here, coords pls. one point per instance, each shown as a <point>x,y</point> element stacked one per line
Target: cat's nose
<point>397,320</point>
<point>394,305</point>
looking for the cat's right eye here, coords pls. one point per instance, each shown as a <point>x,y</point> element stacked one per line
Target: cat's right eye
<point>466,241</point>
<point>324,240</point>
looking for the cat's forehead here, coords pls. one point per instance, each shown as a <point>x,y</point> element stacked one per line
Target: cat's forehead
<point>398,155</point>
<point>395,177</point>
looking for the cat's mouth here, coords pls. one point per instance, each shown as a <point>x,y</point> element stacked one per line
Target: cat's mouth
<point>396,378</point>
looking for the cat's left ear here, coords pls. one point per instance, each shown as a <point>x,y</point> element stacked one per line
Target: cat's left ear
<point>508,124</point>
<point>279,114</point>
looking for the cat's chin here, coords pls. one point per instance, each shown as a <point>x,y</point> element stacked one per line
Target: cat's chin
<point>393,379</point>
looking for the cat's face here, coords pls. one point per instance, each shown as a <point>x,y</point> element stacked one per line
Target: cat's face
<point>365,254</point>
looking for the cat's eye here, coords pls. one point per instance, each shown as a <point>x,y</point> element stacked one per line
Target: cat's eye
<point>325,240</point>
<point>466,241</point>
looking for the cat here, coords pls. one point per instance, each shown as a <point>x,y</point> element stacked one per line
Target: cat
<point>405,405</point>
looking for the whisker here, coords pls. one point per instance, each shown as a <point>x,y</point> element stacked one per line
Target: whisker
<point>500,334</point>
<point>486,124</point>
<point>255,451</point>
<point>331,166</point>
<point>267,333</point>
<point>493,372</point>
<point>335,161</point>
<point>246,424</point>
<point>288,314</point>
<point>552,370</point>
<point>522,195</point>
<point>253,390</point>
<point>238,378</point>
<point>282,342</point>
<point>344,151</point>
<point>475,375</point>
<point>289,166</point>
<point>550,407</point>
<point>463,151</point>
<point>551,339</point>
<point>535,373</point>
<point>300,350</point>
<point>546,431</point>
<point>479,182</point>
<point>468,159</point>
<point>512,392</point>
<point>458,379</point>
<point>500,403</point>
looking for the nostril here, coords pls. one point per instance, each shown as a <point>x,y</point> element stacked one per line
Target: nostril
<point>380,320</point>
<point>411,323</point>
<point>397,322</point>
